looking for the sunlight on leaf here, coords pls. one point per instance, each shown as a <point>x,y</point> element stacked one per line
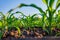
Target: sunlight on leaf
<point>0,23</point>
<point>57,4</point>
<point>45,1</point>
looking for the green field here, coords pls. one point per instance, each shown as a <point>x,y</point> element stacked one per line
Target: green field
<point>46,25</point>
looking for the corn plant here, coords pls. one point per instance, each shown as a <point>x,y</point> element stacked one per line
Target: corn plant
<point>9,20</point>
<point>57,19</point>
<point>50,10</point>
<point>28,21</point>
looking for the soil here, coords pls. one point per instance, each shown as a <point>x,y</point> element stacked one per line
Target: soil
<point>29,34</point>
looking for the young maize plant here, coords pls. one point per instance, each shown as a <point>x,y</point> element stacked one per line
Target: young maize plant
<point>50,11</point>
<point>9,20</point>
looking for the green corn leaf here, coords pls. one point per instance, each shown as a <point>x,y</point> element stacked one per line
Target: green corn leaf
<point>1,35</point>
<point>1,14</point>
<point>59,11</point>
<point>51,3</point>
<point>1,24</point>
<point>33,15</point>
<point>18,30</point>
<point>21,13</point>
<point>45,2</point>
<point>32,5</point>
<point>57,4</point>
<point>35,6</point>
<point>10,10</point>
<point>21,5</point>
